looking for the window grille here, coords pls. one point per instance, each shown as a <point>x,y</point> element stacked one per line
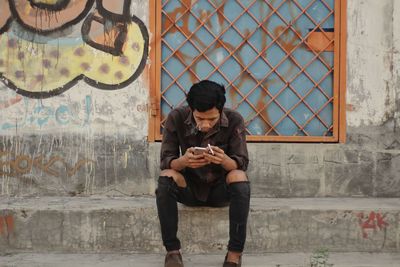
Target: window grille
<point>282,63</point>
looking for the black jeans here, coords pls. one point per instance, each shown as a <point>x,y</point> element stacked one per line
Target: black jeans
<point>236,195</point>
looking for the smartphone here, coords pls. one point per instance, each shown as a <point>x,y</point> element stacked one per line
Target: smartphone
<point>200,150</point>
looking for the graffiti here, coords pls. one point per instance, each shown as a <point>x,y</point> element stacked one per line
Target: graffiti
<point>46,47</point>
<point>5,16</point>
<point>8,103</point>
<point>40,115</point>
<point>374,221</point>
<point>48,16</point>
<point>112,42</point>
<point>23,164</point>
<point>6,225</point>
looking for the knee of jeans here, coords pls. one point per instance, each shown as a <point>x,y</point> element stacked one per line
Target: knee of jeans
<point>166,185</point>
<point>240,189</point>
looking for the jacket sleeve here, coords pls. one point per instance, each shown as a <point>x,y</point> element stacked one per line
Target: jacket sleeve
<point>238,146</point>
<point>170,144</point>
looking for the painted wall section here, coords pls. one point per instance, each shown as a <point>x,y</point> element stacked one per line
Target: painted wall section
<point>48,50</point>
<point>373,39</point>
<point>48,47</point>
<point>73,97</point>
<point>63,138</point>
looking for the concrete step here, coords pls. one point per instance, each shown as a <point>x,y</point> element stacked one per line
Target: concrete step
<point>196,260</point>
<point>93,224</point>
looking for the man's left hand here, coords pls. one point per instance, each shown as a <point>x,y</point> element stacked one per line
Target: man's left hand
<point>219,156</point>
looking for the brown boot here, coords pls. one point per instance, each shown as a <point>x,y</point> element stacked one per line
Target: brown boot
<point>232,264</point>
<point>173,259</point>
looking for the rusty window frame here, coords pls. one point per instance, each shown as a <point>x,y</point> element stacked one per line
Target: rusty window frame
<point>338,44</point>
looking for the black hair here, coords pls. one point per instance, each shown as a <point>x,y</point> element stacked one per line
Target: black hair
<point>206,95</point>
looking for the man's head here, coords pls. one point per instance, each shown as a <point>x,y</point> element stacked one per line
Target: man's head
<point>206,100</point>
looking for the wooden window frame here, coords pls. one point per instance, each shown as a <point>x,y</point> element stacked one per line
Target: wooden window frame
<point>339,101</point>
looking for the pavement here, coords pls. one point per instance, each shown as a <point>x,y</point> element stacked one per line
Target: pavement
<point>199,260</point>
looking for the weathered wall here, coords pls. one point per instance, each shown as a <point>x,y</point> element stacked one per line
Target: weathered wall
<point>91,139</point>
<point>396,61</point>
<point>373,90</point>
<point>91,124</point>
<point>83,81</point>
<point>371,49</point>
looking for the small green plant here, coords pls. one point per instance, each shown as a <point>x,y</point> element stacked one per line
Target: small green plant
<point>320,258</point>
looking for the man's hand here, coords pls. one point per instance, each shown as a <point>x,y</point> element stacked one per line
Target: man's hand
<point>194,161</point>
<point>220,158</point>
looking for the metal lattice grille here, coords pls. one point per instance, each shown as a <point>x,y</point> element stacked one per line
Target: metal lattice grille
<point>276,59</point>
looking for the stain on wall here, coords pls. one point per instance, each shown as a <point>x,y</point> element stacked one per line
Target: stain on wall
<point>46,47</point>
<point>6,225</point>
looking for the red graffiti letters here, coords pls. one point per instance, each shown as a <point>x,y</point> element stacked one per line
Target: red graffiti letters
<point>373,221</point>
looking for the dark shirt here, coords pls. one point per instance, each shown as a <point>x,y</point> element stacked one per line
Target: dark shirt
<point>180,133</point>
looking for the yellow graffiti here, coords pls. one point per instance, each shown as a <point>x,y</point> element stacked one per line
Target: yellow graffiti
<point>47,46</point>
<point>49,2</point>
<point>23,164</point>
<point>42,68</point>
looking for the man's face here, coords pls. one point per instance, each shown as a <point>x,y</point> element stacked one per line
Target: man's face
<point>207,119</point>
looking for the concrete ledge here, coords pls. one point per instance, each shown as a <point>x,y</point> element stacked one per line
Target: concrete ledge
<point>119,165</point>
<point>317,170</point>
<point>195,260</point>
<point>131,224</point>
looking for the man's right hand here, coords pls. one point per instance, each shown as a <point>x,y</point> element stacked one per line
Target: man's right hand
<point>192,160</point>
<point>189,160</point>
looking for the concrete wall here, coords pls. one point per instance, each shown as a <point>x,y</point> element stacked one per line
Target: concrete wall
<point>371,67</point>
<point>91,139</point>
<point>89,130</point>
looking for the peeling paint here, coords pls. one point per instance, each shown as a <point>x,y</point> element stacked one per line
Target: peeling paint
<point>371,45</point>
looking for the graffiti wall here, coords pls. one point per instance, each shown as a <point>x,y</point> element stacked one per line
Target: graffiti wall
<point>48,46</point>
<point>71,49</point>
<point>74,105</point>
<point>73,90</point>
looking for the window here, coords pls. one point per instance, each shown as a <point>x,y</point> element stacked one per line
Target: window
<point>282,62</point>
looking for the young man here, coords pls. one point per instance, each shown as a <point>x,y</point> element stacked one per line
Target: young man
<point>215,177</point>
